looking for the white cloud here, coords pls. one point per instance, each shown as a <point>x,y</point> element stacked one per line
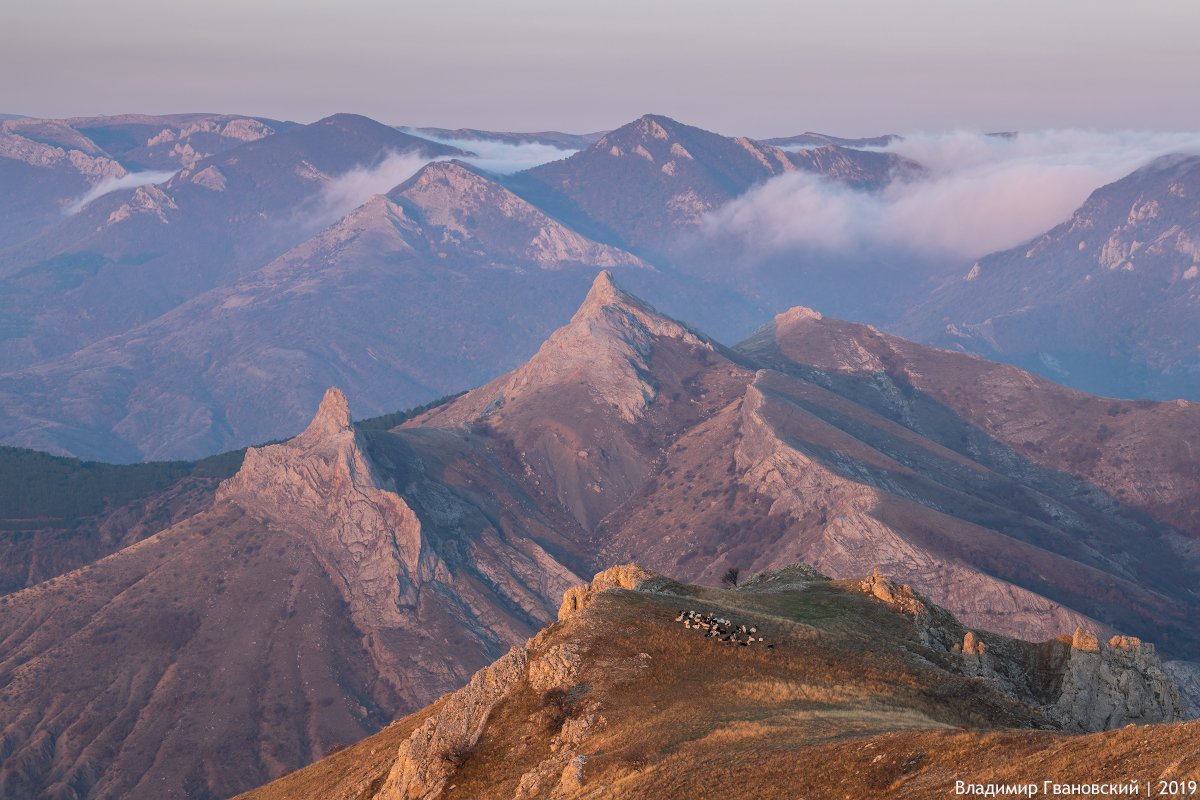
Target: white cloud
<point>503,157</point>
<point>129,180</point>
<point>346,192</point>
<point>981,194</point>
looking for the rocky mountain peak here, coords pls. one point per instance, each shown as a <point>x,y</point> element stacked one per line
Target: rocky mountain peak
<point>332,417</point>
<point>608,310</point>
<point>452,172</point>
<point>606,292</point>
<point>652,126</point>
<point>797,314</point>
<point>607,347</point>
<point>651,138</point>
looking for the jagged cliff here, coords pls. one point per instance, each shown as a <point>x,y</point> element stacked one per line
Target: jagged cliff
<point>1078,681</point>
<point>368,538</point>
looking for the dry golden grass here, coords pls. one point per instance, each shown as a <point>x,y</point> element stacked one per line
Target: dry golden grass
<point>846,705</point>
<point>355,773</point>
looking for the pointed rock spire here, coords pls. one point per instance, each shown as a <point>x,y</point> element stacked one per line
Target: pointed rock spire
<point>323,482</point>
<point>606,293</point>
<point>333,415</point>
<point>605,290</point>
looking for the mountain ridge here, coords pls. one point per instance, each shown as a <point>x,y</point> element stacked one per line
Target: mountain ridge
<point>604,702</point>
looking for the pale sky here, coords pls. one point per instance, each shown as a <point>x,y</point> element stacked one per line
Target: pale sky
<point>765,68</point>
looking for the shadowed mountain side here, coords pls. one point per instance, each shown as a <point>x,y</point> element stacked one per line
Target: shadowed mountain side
<point>326,592</point>
<point>59,514</point>
<point>879,689</point>
<point>1140,453</point>
<point>793,472</point>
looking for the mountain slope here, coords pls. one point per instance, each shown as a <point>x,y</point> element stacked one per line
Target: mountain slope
<point>1139,453</point>
<point>590,412</point>
<point>44,165</point>
<point>59,514</point>
<point>694,458</point>
<point>47,166</point>
<point>618,700</point>
<point>340,579</point>
<point>1105,302</point>
<point>172,141</point>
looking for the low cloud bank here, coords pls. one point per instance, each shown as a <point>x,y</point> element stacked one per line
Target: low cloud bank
<point>981,194</point>
<point>129,180</point>
<point>503,158</point>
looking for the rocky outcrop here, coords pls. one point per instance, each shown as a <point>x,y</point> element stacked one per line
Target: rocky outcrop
<point>898,596</point>
<point>615,690</point>
<point>39,154</point>
<point>435,750</point>
<point>412,555</point>
<point>1080,682</point>
<point>626,576</point>
<point>465,213</point>
<point>433,753</point>
<point>323,484</point>
<point>1109,685</point>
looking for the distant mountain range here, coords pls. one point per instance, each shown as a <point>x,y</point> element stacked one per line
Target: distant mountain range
<point>180,287</point>
<point>566,141</point>
<point>208,309</point>
<point>120,320</point>
<point>353,573</point>
<point>811,139</point>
